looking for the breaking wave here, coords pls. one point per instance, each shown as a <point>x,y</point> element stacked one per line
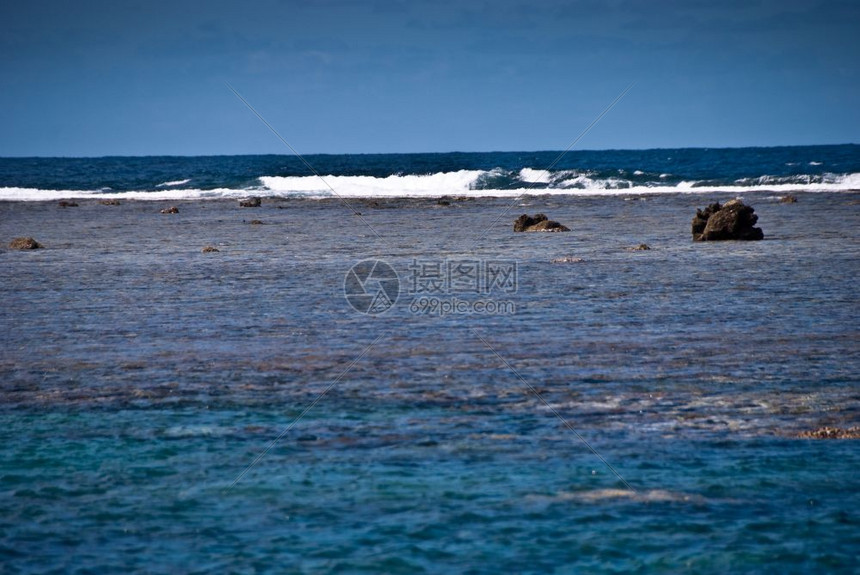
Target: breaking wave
<point>474,183</point>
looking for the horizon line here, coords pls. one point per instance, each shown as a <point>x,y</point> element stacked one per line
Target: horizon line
<point>105,156</point>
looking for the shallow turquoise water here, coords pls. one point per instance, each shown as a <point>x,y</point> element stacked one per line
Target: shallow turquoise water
<point>141,378</point>
<point>145,489</point>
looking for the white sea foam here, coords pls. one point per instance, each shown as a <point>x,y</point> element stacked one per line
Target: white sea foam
<point>37,195</point>
<point>446,183</point>
<point>173,183</point>
<point>413,185</point>
<point>532,176</point>
<point>584,182</point>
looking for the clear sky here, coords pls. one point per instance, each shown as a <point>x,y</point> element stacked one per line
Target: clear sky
<point>94,78</point>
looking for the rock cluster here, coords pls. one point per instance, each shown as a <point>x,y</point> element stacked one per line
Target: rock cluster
<point>538,223</point>
<point>253,202</point>
<point>734,220</point>
<point>109,202</point>
<point>67,204</point>
<point>210,249</point>
<point>170,210</point>
<point>832,433</point>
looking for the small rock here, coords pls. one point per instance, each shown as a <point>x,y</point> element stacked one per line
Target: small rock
<point>66,204</point>
<point>170,210</point>
<point>567,260</point>
<point>256,222</point>
<point>252,202</point>
<point>639,248</point>
<point>210,249</point>
<point>109,202</point>
<point>24,244</point>
<point>789,199</point>
<point>538,223</point>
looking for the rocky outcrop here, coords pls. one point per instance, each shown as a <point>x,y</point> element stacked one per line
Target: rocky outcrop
<point>210,249</point>
<point>170,210</point>
<point>639,248</point>
<point>67,204</point>
<point>832,433</point>
<point>789,199</point>
<point>252,202</point>
<point>24,244</point>
<point>538,223</point>
<point>109,202</point>
<point>733,220</point>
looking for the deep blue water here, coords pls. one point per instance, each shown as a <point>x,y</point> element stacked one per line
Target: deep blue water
<point>168,410</point>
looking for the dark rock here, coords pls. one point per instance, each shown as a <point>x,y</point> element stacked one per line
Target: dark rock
<point>252,202</point>
<point>170,210</point>
<point>210,249</point>
<point>639,248</point>
<point>66,204</point>
<point>109,202</point>
<point>538,223</point>
<point>24,244</point>
<point>256,222</point>
<point>734,220</point>
<point>450,200</point>
<point>789,199</point>
<point>701,219</point>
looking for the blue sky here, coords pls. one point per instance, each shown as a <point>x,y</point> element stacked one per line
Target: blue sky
<point>147,78</point>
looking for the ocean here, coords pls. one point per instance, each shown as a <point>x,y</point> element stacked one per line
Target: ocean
<point>785,169</point>
<point>371,372</point>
